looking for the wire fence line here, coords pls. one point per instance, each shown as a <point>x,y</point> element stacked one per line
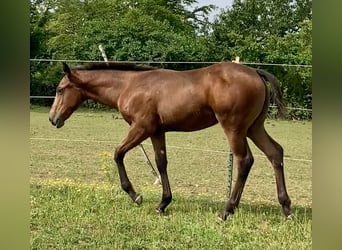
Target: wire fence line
<point>168,62</point>
<point>41,97</point>
<point>169,146</point>
<point>293,108</point>
<point>271,106</point>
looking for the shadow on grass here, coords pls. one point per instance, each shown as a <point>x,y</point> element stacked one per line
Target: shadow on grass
<point>191,205</point>
<point>181,204</point>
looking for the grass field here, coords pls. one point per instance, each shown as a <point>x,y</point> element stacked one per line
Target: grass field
<point>75,206</point>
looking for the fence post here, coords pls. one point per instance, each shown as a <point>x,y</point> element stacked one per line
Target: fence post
<point>230,173</point>
<point>230,156</point>
<point>237,60</point>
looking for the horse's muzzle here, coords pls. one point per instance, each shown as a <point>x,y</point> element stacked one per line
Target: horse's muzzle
<point>56,120</point>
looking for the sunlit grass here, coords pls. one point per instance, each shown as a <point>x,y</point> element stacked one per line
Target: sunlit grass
<point>65,214</point>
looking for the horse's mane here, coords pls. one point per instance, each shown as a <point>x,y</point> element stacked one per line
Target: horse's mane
<point>114,66</point>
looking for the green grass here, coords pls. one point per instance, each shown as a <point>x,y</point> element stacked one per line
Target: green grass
<point>74,207</point>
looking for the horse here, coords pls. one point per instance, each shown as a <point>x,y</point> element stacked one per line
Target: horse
<point>154,101</point>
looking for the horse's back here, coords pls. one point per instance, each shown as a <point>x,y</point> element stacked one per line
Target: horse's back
<point>196,99</point>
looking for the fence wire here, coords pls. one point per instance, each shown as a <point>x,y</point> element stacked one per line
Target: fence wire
<point>169,146</point>
<point>169,62</point>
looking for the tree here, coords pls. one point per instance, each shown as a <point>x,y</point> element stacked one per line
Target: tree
<point>146,30</point>
<point>41,11</point>
<point>294,48</point>
<point>245,26</point>
<point>269,31</point>
<point>128,30</point>
<point>272,31</point>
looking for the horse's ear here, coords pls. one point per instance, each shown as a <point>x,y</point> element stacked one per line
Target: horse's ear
<point>73,77</point>
<point>66,68</point>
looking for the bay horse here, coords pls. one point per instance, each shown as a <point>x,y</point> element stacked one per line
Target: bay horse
<point>154,101</point>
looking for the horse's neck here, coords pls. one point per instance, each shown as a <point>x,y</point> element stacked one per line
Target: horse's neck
<point>106,88</point>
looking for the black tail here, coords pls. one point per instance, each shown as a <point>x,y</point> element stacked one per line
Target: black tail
<point>267,77</point>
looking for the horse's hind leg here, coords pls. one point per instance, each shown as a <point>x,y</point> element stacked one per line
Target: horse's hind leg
<point>159,148</point>
<point>274,153</point>
<point>244,161</point>
<point>135,136</point>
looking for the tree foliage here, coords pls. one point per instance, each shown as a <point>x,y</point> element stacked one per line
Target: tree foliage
<point>272,31</point>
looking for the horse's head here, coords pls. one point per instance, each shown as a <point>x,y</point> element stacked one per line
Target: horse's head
<point>69,96</point>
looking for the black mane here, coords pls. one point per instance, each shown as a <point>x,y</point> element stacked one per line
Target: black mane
<point>115,66</point>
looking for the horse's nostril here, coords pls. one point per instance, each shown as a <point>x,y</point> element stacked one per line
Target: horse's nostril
<point>52,121</point>
<point>59,123</point>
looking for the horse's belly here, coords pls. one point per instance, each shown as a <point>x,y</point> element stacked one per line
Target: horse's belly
<point>189,121</point>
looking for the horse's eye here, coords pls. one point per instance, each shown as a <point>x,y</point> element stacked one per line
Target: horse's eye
<point>59,91</point>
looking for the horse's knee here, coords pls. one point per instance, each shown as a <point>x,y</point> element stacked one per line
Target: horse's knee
<point>118,156</point>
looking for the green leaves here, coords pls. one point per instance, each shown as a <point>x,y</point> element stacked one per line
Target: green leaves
<point>266,31</point>
<point>129,30</point>
<point>270,31</point>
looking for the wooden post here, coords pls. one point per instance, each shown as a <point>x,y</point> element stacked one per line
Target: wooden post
<point>230,173</point>
<point>237,59</point>
<point>230,156</point>
<point>103,53</point>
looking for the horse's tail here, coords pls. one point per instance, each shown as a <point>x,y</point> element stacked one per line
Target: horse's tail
<point>277,97</point>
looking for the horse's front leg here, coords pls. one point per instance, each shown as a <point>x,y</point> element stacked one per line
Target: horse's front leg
<point>135,136</point>
<point>159,147</point>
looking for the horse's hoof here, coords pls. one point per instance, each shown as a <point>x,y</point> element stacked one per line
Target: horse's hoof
<point>160,211</point>
<point>290,217</point>
<point>287,211</point>
<point>222,217</point>
<point>219,219</point>
<point>138,199</point>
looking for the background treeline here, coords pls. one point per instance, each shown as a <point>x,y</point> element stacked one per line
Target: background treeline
<point>263,31</point>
